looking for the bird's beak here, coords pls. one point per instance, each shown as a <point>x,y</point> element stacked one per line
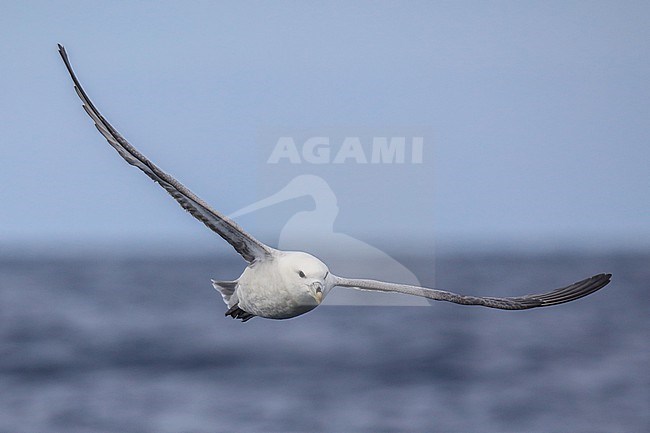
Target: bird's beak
<point>318,295</point>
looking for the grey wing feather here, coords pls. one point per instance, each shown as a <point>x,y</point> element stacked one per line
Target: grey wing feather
<point>249,247</point>
<point>555,297</point>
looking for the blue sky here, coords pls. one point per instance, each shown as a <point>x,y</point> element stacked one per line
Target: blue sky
<point>535,117</point>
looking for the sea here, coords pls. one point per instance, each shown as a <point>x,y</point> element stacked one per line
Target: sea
<point>122,342</point>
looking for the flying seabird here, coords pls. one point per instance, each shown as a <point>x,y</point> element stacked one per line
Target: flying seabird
<point>283,284</point>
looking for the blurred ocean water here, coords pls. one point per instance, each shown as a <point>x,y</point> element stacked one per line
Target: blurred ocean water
<point>106,343</point>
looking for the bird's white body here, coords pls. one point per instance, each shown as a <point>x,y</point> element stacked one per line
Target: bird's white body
<point>284,285</point>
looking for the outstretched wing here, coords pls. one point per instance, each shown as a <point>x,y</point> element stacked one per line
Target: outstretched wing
<point>250,248</point>
<point>555,297</point>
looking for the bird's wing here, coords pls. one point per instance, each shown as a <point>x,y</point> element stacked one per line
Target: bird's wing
<point>250,248</point>
<point>554,297</point>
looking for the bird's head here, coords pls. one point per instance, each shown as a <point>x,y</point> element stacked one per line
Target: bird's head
<point>307,275</point>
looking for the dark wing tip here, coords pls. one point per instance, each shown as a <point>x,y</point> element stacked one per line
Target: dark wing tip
<point>575,290</point>
<point>562,295</point>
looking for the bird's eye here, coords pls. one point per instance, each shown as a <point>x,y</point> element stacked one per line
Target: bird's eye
<point>302,274</point>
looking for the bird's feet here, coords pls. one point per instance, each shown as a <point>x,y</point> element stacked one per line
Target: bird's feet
<point>237,313</point>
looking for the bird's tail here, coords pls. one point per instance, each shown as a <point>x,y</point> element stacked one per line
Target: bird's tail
<point>227,290</point>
